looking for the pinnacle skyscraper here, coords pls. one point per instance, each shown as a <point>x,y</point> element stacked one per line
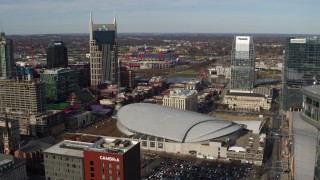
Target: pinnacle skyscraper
<point>104,64</point>
<point>6,57</point>
<point>242,65</point>
<point>301,68</point>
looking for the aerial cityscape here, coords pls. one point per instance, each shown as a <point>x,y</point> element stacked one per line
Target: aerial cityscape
<point>133,90</point>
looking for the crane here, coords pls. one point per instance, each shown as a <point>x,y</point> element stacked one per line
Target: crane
<point>31,50</point>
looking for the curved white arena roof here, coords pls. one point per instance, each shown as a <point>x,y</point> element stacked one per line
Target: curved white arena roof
<point>173,124</point>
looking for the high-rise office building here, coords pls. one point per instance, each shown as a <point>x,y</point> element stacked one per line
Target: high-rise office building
<point>103,53</point>
<point>242,64</point>
<point>57,55</point>
<point>301,68</point>
<point>59,83</point>
<point>6,57</point>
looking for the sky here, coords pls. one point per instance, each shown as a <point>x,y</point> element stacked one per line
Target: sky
<point>161,16</point>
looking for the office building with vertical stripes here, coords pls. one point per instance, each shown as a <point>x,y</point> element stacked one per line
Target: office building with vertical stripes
<point>103,53</point>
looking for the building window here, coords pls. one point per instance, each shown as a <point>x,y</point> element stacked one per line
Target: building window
<point>110,171</point>
<point>118,178</point>
<point>144,143</point>
<point>160,145</point>
<point>92,174</point>
<point>91,162</point>
<point>110,165</point>
<point>110,177</point>
<point>91,169</point>
<point>152,144</point>
<point>103,176</point>
<point>118,166</point>
<point>118,173</point>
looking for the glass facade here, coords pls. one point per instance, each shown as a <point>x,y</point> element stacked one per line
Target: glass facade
<point>311,109</point>
<point>301,67</point>
<point>57,55</point>
<point>242,64</point>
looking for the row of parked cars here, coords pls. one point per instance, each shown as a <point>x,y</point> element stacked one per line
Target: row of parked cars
<point>178,169</point>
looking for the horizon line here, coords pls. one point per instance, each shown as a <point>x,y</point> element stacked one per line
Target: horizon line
<point>226,33</point>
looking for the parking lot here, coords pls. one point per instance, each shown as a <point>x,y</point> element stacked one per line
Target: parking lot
<point>178,169</point>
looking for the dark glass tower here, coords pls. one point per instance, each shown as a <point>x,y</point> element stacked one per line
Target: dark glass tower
<point>57,55</point>
<point>103,53</point>
<point>301,68</point>
<point>6,57</point>
<point>242,65</point>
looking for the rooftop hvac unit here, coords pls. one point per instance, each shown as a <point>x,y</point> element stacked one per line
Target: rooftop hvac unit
<point>116,142</point>
<point>124,143</point>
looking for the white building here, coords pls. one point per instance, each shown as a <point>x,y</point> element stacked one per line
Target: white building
<point>220,70</point>
<point>247,102</point>
<point>193,85</point>
<point>187,133</point>
<point>182,99</point>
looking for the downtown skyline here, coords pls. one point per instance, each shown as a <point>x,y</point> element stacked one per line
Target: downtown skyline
<point>135,16</point>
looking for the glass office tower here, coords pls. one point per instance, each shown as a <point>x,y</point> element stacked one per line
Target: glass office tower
<point>242,65</point>
<point>301,68</point>
<point>6,57</point>
<point>57,55</point>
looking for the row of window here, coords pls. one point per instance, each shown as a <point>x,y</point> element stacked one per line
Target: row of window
<point>311,108</point>
<point>152,144</point>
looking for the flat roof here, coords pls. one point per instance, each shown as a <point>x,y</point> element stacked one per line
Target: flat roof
<point>245,94</point>
<point>104,144</point>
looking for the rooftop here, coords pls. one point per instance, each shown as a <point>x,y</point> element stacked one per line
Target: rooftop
<point>245,94</point>
<point>103,144</point>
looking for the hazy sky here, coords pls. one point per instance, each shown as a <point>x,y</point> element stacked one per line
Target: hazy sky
<point>199,16</point>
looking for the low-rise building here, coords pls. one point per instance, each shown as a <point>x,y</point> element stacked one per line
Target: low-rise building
<point>9,135</point>
<point>247,101</point>
<point>78,120</point>
<point>106,158</point>
<point>12,168</point>
<point>182,99</point>
<point>32,152</point>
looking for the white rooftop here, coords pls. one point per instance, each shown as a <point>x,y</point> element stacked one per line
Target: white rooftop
<point>171,123</point>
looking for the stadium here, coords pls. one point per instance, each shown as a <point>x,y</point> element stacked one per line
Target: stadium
<point>165,129</point>
<point>174,124</point>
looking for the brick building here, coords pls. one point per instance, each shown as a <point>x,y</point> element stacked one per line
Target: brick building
<point>105,158</point>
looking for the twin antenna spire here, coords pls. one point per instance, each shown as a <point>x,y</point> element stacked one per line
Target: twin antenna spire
<point>114,19</point>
